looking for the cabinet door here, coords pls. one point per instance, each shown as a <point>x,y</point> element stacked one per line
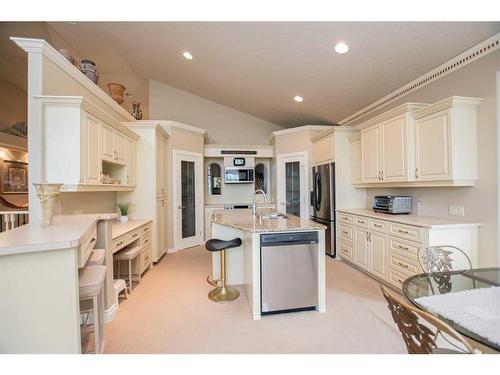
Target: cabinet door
<point>432,147</point>
<point>132,162</point>
<point>361,245</point>
<point>323,151</point>
<point>107,137</point>
<point>93,160</point>
<point>370,155</point>
<point>394,150</point>
<point>378,251</point>
<point>121,143</point>
<point>356,162</point>
<point>160,233</point>
<point>160,166</point>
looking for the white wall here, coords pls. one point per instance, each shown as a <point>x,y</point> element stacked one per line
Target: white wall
<point>481,202</point>
<point>224,125</point>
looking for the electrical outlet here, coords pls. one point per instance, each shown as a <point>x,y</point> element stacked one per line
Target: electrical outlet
<point>456,210</point>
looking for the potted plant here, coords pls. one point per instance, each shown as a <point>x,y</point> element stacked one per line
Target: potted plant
<point>124,207</point>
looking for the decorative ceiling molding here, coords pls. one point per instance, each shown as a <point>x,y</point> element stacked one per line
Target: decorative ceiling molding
<point>472,54</point>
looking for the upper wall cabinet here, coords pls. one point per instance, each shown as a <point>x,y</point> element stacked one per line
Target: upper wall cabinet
<point>355,157</point>
<point>421,145</point>
<point>323,151</point>
<point>446,141</point>
<point>82,150</point>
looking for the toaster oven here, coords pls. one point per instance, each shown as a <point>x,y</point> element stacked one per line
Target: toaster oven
<point>392,204</point>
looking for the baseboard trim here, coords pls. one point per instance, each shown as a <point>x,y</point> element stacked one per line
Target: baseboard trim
<point>172,250</point>
<point>110,314</point>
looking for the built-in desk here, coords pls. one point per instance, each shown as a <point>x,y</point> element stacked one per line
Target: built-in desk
<point>130,233</point>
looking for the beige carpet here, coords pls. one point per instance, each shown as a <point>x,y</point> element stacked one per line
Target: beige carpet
<point>169,312</point>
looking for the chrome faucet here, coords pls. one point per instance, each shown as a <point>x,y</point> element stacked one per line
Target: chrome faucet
<point>254,204</point>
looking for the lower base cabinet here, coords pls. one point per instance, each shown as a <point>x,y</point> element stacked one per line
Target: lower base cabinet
<point>388,250</point>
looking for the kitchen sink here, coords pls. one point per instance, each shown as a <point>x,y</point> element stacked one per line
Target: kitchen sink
<point>273,215</point>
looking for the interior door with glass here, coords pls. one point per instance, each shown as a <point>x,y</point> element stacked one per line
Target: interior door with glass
<point>188,200</point>
<point>292,187</point>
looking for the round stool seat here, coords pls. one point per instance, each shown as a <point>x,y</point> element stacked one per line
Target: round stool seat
<point>218,245</point>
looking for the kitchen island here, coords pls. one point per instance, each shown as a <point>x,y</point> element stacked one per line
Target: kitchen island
<point>244,264</point>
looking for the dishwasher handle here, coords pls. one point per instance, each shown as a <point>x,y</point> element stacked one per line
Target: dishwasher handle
<point>297,238</point>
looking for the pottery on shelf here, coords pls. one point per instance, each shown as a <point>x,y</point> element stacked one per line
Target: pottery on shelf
<point>136,110</point>
<point>49,199</point>
<point>116,91</point>
<point>87,67</point>
<point>68,56</point>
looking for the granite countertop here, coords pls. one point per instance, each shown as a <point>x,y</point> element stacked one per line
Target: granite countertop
<point>245,221</point>
<point>119,228</point>
<point>32,237</point>
<point>418,221</point>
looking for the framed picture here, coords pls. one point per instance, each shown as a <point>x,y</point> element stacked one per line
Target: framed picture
<point>14,177</point>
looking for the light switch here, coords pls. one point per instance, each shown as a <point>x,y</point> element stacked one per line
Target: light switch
<point>456,210</point>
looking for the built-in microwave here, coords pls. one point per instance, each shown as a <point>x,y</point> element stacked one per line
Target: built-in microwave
<point>235,175</point>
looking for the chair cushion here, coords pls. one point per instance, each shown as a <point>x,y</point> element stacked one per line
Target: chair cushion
<point>91,280</point>
<point>96,257</point>
<point>128,253</point>
<point>218,245</point>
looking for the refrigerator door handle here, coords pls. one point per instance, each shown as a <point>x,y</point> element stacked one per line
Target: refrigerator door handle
<point>317,191</point>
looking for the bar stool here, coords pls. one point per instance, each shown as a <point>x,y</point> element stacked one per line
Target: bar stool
<point>129,255</point>
<point>222,293</point>
<point>96,257</point>
<point>90,283</point>
<point>119,285</point>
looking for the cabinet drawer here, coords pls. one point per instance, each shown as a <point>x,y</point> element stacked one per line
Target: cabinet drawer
<point>345,232</point>
<point>86,247</point>
<point>361,221</point>
<point>345,250</point>
<point>134,235</point>
<point>344,218</point>
<point>406,248</point>
<point>146,229</point>
<point>145,258</point>
<point>119,243</point>
<point>145,239</point>
<point>403,264</point>
<point>379,226</point>
<point>406,231</point>
<point>397,278</point>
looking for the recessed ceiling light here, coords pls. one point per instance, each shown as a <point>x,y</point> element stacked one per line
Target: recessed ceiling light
<point>341,48</point>
<point>298,99</point>
<point>187,55</point>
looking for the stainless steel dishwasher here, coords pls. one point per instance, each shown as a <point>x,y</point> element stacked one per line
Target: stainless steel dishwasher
<point>289,272</point>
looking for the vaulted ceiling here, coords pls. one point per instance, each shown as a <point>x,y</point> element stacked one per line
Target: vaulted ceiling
<point>258,67</point>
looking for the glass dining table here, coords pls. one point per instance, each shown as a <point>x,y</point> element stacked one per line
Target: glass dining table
<point>423,285</point>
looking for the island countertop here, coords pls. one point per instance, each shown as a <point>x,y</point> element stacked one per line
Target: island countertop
<point>245,221</point>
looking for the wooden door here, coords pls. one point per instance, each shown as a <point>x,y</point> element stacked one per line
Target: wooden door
<point>370,155</point>
<point>432,147</point>
<point>293,189</point>
<point>107,142</point>
<point>361,245</point>
<point>394,150</point>
<point>93,175</point>
<point>378,251</point>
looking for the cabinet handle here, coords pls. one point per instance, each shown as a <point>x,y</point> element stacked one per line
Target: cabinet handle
<point>416,173</point>
<point>382,175</point>
<point>402,231</point>
<point>135,235</point>
<point>401,282</point>
<point>361,221</point>
<point>403,247</point>
<point>344,251</point>
<point>403,265</point>
<point>379,175</point>
<point>345,232</point>
<point>370,236</point>
<point>377,225</point>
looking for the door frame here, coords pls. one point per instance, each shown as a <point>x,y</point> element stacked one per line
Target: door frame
<point>179,243</point>
<point>303,158</point>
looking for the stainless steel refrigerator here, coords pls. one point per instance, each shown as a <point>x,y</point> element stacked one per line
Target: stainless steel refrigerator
<point>323,202</point>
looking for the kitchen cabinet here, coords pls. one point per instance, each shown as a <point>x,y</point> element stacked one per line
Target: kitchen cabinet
<point>355,160</point>
<point>387,249</point>
<point>132,162</point>
<point>148,199</point>
<point>394,148</point>
<point>323,150</point>
<point>446,141</point>
<point>370,153</point>
<point>79,145</point>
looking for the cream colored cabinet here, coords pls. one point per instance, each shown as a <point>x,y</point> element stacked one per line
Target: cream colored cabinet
<point>94,165</point>
<point>394,149</point>
<point>361,248</point>
<point>378,254</point>
<point>160,150</point>
<point>107,137</point>
<point>131,162</point>
<point>370,155</point>
<point>323,150</point>
<point>160,228</point>
<point>355,154</point>
<point>120,148</point>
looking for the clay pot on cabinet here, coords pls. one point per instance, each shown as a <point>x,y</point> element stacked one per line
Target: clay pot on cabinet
<point>87,67</point>
<point>116,91</point>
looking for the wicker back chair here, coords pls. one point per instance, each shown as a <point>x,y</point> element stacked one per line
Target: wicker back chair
<point>419,338</point>
<point>439,258</point>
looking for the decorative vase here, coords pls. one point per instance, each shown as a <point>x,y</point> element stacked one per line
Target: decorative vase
<point>116,91</point>
<point>49,199</point>
<point>123,218</point>
<point>68,56</point>
<point>87,67</point>
<point>136,110</point>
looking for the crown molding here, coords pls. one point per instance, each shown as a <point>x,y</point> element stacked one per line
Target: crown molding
<point>40,46</point>
<point>400,110</point>
<point>465,58</point>
<point>298,129</point>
